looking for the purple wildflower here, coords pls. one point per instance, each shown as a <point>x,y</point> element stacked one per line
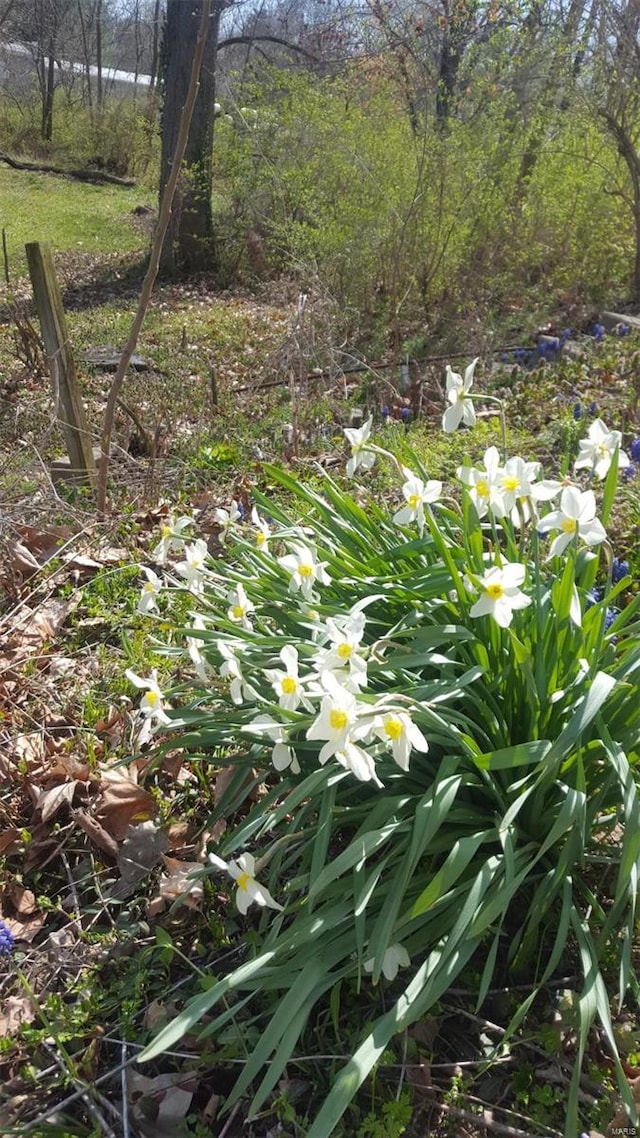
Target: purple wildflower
<point>609,618</point>
<point>7,941</point>
<point>619,570</point>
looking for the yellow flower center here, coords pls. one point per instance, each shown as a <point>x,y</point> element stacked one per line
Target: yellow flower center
<point>482,488</point>
<point>306,570</point>
<point>510,482</point>
<point>261,538</point>
<point>569,525</point>
<point>166,531</point>
<point>602,450</point>
<point>153,698</point>
<point>495,591</point>
<point>289,685</point>
<point>149,587</point>
<point>345,651</point>
<point>243,882</point>
<point>393,728</point>
<point>238,612</point>
<point>338,719</point>
<point>414,501</point>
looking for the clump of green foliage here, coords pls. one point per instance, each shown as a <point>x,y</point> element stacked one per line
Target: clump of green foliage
<point>443,722</point>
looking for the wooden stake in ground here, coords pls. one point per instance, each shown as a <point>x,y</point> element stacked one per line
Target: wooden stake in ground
<point>70,410</point>
<point>156,250</point>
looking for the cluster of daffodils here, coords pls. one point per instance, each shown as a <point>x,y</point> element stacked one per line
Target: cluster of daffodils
<point>302,678</point>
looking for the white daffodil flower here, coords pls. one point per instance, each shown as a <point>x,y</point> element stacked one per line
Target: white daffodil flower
<point>484,484</point>
<point>395,957</point>
<point>239,690</point>
<point>355,759</point>
<point>399,733</point>
<point>287,684</point>
<point>152,702</point>
<point>500,593</point>
<point>598,449</point>
<point>193,567</point>
<point>337,721</point>
<point>248,890</point>
<point>358,437</point>
<point>577,515</point>
<point>150,592</point>
<point>417,494</point>
<point>171,537</point>
<point>194,645</point>
<point>282,755</point>
<point>264,532</point>
<point>304,570</point>
<point>240,607</point>
<point>227,519</point>
<point>461,409</point>
<point>343,657</point>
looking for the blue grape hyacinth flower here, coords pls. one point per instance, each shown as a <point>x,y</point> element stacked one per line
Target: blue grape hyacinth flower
<point>609,618</point>
<point>634,450</point>
<point>619,570</point>
<point>7,940</point>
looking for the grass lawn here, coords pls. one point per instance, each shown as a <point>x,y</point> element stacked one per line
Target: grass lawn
<point>74,217</point>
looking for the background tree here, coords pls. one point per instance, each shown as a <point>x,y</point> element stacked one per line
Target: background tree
<point>189,244</point>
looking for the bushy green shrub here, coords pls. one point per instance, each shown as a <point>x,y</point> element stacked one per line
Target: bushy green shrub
<point>443,720</point>
<point>400,222</point>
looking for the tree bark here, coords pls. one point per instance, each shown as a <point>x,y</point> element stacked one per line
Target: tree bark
<point>189,245</point>
<point>629,154</point>
<point>48,96</point>
<point>154,46</point>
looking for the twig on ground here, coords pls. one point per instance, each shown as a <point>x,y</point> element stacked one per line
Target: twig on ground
<point>70,1099</point>
<point>125,1097</point>
<point>85,1096</point>
<point>488,1124</point>
<point>227,1125</point>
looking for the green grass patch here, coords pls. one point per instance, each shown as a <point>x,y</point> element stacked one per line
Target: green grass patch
<point>72,216</point>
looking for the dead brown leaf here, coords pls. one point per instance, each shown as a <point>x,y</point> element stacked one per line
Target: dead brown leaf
<point>159,1106</point>
<point>30,749</point>
<point>21,901</point>
<point>178,884</point>
<point>50,801</point>
<point>24,929</point>
<point>10,841</point>
<point>122,803</point>
<point>22,563</point>
<point>97,833</point>
<point>15,1010</point>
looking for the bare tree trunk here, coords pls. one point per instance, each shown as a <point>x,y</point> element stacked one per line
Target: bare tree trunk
<point>154,45</point>
<point>48,96</point>
<point>99,84</point>
<point>190,242</point>
<point>4,15</point>
<point>87,61</point>
<point>628,152</point>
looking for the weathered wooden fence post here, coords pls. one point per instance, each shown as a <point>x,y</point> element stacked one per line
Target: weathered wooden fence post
<point>70,410</point>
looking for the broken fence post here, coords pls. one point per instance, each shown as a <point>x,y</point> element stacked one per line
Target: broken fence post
<point>70,410</point>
